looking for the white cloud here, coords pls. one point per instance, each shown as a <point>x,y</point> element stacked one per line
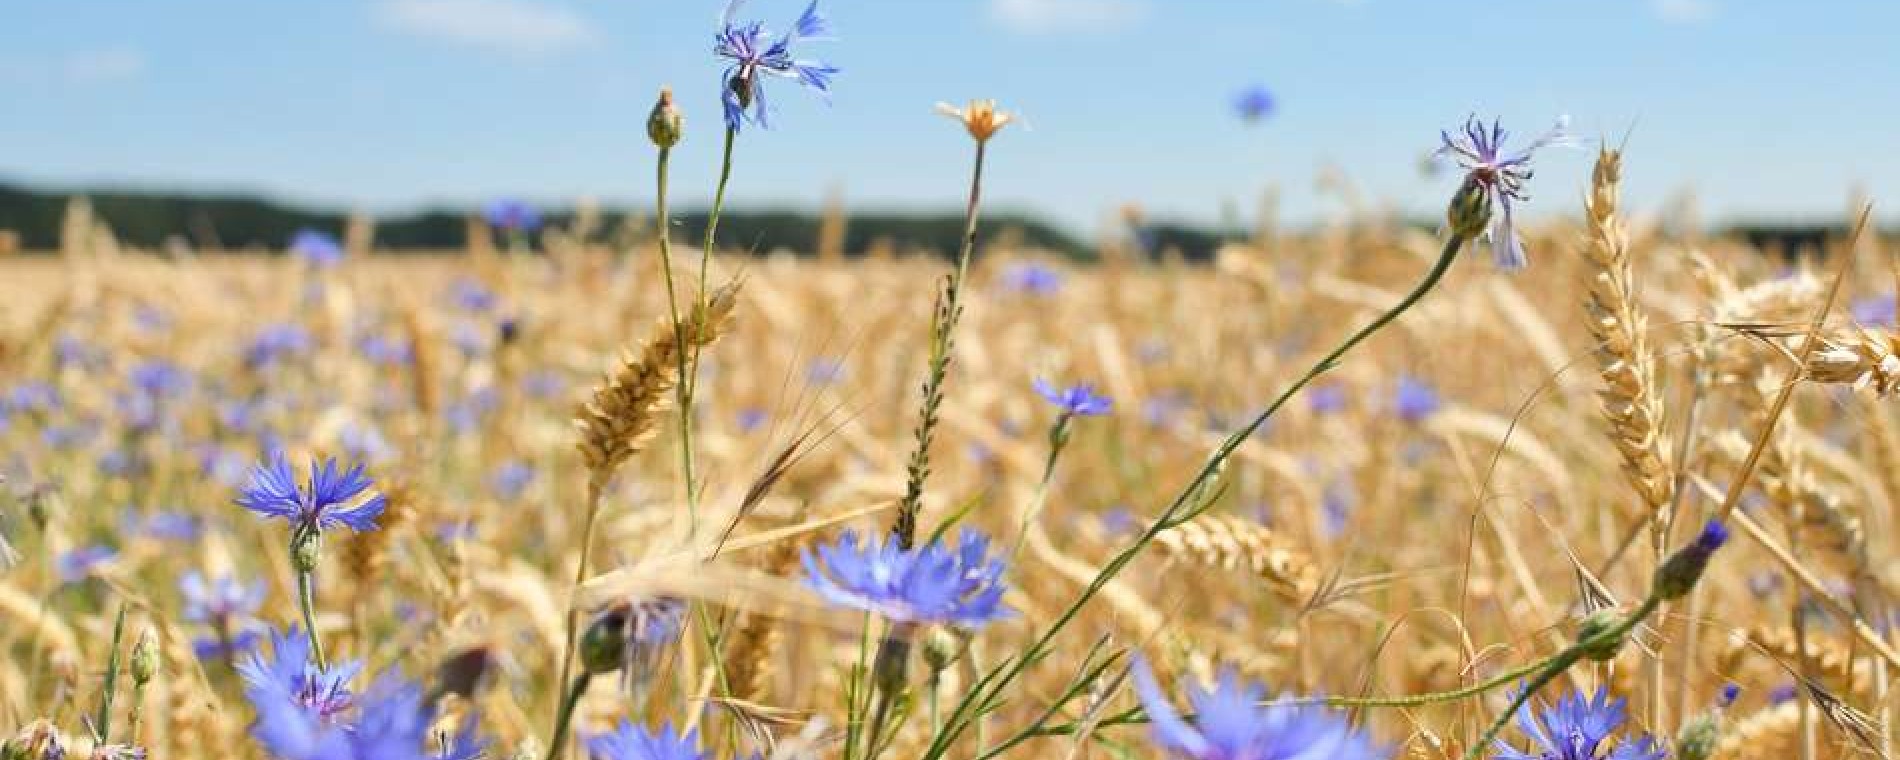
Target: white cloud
<point>1684,11</point>
<point>516,27</point>
<point>1059,16</point>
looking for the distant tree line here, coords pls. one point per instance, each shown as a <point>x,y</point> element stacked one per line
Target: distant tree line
<point>32,220</point>
<point>238,222</point>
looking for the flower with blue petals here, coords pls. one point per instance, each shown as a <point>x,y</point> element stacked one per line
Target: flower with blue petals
<point>317,248</point>
<point>328,498</point>
<point>512,215</point>
<point>925,584</point>
<point>275,342</point>
<point>1414,400</point>
<point>1254,103</point>
<point>1033,278</point>
<point>631,741</point>
<point>304,713</point>
<point>82,563</point>
<point>228,606</point>
<point>1876,311</point>
<point>1079,400</point>
<point>753,52</point>
<point>1230,723</point>
<point>1500,177</point>
<point>1577,728</point>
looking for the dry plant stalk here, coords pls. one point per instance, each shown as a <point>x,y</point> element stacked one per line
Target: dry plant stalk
<point>625,409</point>
<point>756,643</point>
<point>1228,542</point>
<point>1629,399</point>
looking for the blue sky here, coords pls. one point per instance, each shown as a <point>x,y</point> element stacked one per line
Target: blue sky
<point>1765,109</point>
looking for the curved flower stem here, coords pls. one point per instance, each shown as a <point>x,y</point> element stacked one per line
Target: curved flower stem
<point>1555,665</point>
<point>982,699</point>
<point>307,600</point>
<point>558,741</point>
<point>689,370</point>
<point>1136,715</point>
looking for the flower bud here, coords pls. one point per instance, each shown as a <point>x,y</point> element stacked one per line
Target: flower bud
<point>892,667</point>
<point>943,647</point>
<point>604,643</point>
<point>305,547</point>
<point>665,124</point>
<point>1470,210</point>
<point>145,658</point>
<point>1594,635</point>
<point>1680,572</point>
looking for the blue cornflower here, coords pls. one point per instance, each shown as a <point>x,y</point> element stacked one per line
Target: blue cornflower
<point>635,742</point>
<point>317,248</point>
<point>824,372</point>
<point>470,294</point>
<point>384,350</point>
<point>1328,398</point>
<point>1231,724</point>
<point>1079,400</point>
<point>159,379</point>
<point>512,215</point>
<point>328,498</point>
<point>164,526</point>
<point>752,51</point>
<point>228,606</point>
<point>511,479</point>
<point>1032,278</point>
<point>1578,729</point>
<point>1254,103</point>
<point>32,396</point>
<point>301,710</point>
<point>79,564</point>
<point>1875,311</point>
<point>1500,177</point>
<point>307,714</point>
<point>751,418</point>
<point>927,584</point>
<point>1414,400</point>
<point>274,342</point>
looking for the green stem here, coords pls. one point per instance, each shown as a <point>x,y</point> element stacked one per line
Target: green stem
<point>1554,666</point>
<point>104,717</point>
<point>958,720</point>
<point>689,373</point>
<point>307,601</point>
<point>558,741</point>
<point>1137,715</point>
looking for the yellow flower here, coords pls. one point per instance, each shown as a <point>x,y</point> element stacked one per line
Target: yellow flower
<point>981,118</point>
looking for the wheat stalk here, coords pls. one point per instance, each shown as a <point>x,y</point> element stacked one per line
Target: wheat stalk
<point>1229,543</point>
<point>624,411</point>
<point>1629,398</point>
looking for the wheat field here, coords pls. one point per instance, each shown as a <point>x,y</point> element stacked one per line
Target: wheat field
<point>1460,497</point>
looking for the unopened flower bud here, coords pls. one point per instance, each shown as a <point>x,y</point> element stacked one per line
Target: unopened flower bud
<point>943,647</point>
<point>891,669</point>
<point>1680,572</point>
<point>665,125</point>
<point>1594,635</point>
<point>145,658</point>
<point>1470,210</point>
<point>604,643</point>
